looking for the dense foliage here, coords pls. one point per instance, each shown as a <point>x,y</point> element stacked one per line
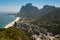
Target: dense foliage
<point>13,34</point>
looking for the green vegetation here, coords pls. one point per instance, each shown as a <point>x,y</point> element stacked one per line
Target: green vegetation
<point>13,34</point>
<point>51,25</point>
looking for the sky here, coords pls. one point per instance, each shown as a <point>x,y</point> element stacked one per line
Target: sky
<point>15,5</point>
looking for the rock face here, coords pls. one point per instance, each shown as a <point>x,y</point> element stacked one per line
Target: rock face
<point>30,11</point>
<point>46,9</point>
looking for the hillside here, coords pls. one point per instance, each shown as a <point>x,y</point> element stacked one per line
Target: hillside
<point>30,11</point>
<point>13,34</point>
<point>46,19</point>
<point>53,14</point>
<point>46,10</point>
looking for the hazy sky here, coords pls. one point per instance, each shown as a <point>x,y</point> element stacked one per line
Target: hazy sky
<point>15,5</point>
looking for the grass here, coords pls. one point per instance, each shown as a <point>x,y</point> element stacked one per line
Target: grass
<point>13,34</point>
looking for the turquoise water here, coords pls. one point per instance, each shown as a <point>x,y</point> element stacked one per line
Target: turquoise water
<point>5,19</point>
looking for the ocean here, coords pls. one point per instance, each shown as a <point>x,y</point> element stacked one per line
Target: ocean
<point>5,19</point>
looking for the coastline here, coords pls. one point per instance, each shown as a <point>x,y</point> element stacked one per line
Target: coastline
<point>12,23</point>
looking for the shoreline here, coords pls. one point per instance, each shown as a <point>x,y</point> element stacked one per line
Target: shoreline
<point>12,23</point>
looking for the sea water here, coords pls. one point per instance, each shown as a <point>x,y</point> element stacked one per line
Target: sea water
<point>5,19</point>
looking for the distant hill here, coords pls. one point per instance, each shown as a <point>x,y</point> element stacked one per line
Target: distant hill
<point>30,11</point>
<point>45,10</point>
<point>55,14</point>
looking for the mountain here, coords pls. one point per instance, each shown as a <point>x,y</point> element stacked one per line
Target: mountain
<point>28,10</point>
<point>48,17</point>
<point>55,14</point>
<point>46,9</point>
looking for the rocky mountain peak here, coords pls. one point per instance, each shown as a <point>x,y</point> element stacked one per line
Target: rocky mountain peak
<point>28,4</point>
<point>48,6</point>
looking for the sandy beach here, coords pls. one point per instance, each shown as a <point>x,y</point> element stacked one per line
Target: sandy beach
<point>12,23</point>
